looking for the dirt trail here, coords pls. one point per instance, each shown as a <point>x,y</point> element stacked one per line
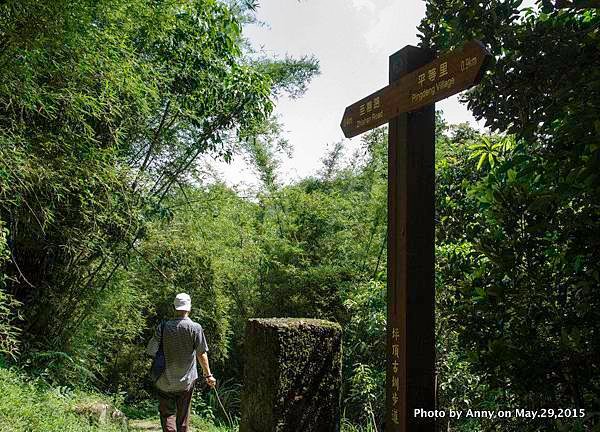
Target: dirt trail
<point>149,426</point>
<point>145,425</point>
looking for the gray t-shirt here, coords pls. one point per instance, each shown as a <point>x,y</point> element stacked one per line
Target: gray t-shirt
<point>183,338</point>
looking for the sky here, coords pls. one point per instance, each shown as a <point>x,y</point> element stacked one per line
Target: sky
<point>352,40</point>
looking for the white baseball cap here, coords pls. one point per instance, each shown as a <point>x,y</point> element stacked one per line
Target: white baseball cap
<point>182,302</point>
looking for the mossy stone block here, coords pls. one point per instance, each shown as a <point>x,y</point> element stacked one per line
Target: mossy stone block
<point>292,376</point>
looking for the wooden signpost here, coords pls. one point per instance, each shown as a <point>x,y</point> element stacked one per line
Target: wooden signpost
<point>417,81</point>
<point>446,75</point>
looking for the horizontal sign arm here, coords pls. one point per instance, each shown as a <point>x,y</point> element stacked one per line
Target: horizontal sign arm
<point>447,75</point>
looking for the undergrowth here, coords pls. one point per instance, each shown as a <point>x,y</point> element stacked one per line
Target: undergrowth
<point>32,406</point>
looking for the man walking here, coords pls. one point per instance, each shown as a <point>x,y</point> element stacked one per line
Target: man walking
<point>183,344</point>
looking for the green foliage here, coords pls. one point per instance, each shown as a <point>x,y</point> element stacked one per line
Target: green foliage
<point>204,424</point>
<point>105,107</point>
<point>4,253</point>
<point>291,75</point>
<point>348,426</point>
<point>31,406</point>
<point>366,328</point>
<point>366,391</point>
<point>230,396</point>
<point>524,277</point>
<point>103,110</point>
<point>364,353</point>
<point>9,332</point>
<point>488,152</point>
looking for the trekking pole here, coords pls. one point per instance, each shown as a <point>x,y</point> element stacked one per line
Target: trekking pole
<point>222,407</point>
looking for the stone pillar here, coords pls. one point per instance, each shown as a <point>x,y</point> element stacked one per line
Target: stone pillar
<point>292,376</point>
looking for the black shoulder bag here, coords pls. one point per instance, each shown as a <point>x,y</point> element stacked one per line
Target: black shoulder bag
<point>159,363</point>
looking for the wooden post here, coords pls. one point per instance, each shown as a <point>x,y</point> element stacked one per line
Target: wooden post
<point>410,378</point>
<point>417,81</point>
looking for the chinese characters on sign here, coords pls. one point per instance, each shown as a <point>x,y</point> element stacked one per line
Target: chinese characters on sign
<point>445,76</point>
<point>371,109</point>
<point>433,73</point>
<point>370,105</point>
<point>439,73</point>
<point>395,377</point>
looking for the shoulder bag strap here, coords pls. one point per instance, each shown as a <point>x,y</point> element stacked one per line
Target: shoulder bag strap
<point>162,332</point>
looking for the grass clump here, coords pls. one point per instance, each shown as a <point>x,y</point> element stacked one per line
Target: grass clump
<point>31,406</point>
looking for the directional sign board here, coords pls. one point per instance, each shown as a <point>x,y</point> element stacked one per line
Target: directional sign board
<point>578,4</point>
<point>417,81</point>
<point>448,74</point>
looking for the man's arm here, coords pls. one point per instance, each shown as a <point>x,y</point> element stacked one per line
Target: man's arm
<point>203,360</point>
<point>201,353</point>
